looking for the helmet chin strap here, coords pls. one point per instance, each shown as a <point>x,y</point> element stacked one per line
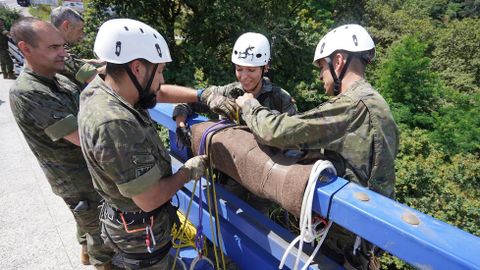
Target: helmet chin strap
<point>142,92</point>
<point>337,81</point>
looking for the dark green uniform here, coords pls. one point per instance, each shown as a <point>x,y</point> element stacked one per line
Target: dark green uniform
<point>356,127</point>
<point>270,96</point>
<point>77,70</point>
<point>45,110</point>
<point>5,60</point>
<point>125,157</point>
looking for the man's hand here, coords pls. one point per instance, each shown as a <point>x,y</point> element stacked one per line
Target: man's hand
<point>195,167</point>
<point>184,136</point>
<point>222,105</point>
<point>240,101</point>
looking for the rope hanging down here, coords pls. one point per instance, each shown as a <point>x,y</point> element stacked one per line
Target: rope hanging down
<point>199,237</point>
<point>307,224</point>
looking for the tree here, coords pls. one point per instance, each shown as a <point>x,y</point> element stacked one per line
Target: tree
<point>457,55</point>
<point>408,84</point>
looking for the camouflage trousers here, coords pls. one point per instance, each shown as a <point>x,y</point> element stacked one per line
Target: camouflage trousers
<point>133,244</point>
<point>6,62</point>
<point>86,212</point>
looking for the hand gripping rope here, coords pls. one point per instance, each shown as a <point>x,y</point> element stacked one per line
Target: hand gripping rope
<point>199,237</point>
<point>308,224</point>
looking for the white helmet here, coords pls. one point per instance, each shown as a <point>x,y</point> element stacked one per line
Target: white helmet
<point>349,37</point>
<point>251,50</point>
<point>120,41</point>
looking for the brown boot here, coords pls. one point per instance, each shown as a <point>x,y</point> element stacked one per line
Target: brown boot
<point>5,75</point>
<point>107,266</point>
<point>12,76</point>
<point>84,258</point>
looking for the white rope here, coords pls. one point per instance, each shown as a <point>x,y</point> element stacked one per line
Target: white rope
<point>308,233</point>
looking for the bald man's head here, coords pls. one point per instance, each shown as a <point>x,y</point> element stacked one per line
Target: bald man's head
<point>30,29</point>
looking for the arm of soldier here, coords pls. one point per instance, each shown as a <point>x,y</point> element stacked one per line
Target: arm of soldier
<point>169,93</point>
<point>163,191</point>
<point>87,73</point>
<point>42,112</point>
<point>123,153</point>
<point>317,128</point>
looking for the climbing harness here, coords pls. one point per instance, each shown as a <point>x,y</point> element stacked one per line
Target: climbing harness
<point>128,219</point>
<point>311,228</point>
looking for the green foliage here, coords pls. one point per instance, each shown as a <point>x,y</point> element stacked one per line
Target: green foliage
<point>9,15</point>
<point>40,11</point>
<point>457,55</point>
<point>408,84</point>
<point>457,123</point>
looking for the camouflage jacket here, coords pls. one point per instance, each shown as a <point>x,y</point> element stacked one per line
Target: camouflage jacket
<point>121,146</point>
<point>46,110</point>
<point>357,125</point>
<point>75,65</point>
<point>270,96</point>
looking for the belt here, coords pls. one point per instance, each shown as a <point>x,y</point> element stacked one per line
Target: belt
<point>131,218</point>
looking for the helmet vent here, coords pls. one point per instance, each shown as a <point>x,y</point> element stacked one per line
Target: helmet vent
<point>159,51</point>
<point>323,47</point>
<point>118,48</point>
<point>258,55</point>
<point>355,40</point>
<point>155,36</point>
<point>141,30</point>
<point>126,28</point>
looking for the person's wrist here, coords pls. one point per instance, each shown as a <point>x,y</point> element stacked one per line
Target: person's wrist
<point>199,94</point>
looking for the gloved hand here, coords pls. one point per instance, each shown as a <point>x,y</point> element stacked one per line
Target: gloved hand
<point>222,105</point>
<point>184,136</point>
<point>195,167</point>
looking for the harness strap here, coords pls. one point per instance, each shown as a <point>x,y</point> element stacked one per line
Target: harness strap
<point>132,218</point>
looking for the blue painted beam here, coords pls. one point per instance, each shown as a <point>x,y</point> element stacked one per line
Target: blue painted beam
<point>430,244</point>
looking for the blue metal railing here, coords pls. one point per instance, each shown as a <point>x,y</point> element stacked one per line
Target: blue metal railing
<point>253,241</point>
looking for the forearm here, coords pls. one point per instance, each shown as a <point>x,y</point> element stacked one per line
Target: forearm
<point>161,192</point>
<point>176,94</point>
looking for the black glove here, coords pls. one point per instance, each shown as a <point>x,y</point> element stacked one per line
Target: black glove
<point>184,136</point>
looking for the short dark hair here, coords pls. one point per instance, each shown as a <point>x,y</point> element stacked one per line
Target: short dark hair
<point>61,14</point>
<point>23,30</point>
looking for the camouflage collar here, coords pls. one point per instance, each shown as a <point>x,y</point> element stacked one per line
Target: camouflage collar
<point>266,86</point>
<point>142,115</point>
<point>355,85</point>
<point>51,83</point>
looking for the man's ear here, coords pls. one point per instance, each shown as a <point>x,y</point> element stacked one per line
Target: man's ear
<point>65,25</point>
<point>338,62</point>
<point>24,47</point>
<point>136,67</point>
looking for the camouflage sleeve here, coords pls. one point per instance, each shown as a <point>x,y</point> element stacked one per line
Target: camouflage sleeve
<point>122,152</point>
<point>85,72</point>
<point>324,126</point>
<point>231,90</point>
<point>36,111</point>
